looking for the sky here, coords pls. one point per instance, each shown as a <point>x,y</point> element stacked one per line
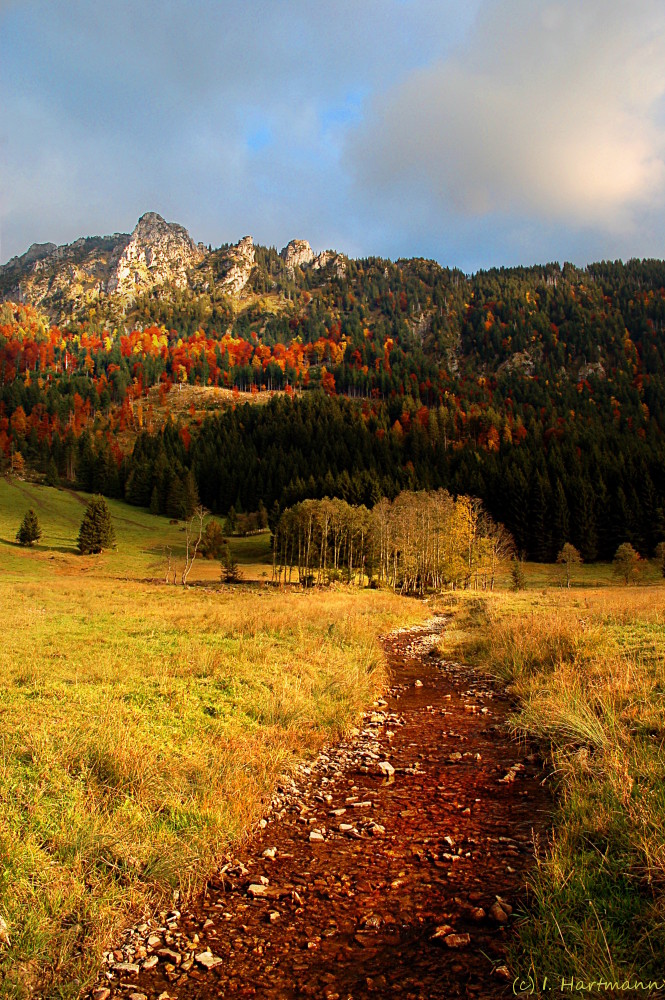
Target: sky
<point>479,133</point>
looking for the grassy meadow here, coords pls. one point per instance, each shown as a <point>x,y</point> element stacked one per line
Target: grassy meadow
<point>587,667</point>
<point>143,726</point>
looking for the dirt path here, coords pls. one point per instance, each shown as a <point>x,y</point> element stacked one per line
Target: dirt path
<point>365,885</point>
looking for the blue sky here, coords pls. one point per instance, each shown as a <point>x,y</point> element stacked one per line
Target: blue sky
<point>479,133</point>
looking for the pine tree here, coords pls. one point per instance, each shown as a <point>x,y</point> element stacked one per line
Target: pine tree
<point>517,576</point>
<point>29,532</point>
<point>96,532</point>
<point>51,478</point>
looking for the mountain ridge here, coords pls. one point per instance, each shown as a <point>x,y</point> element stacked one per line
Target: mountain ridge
<point>65,280</point>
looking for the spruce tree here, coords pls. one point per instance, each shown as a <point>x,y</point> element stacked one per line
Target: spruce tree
<point>96,532</point>
<point>29,532</point>
<point>51,478</point>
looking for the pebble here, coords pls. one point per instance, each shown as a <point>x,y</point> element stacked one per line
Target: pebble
<point>126,967</point>
<point>208,960</point>
<point>170,956</point>
<point>385,767</point>
<point>255,890</point>
<point>498,914</point>
<point>441,932</point>
<point>458,940</point>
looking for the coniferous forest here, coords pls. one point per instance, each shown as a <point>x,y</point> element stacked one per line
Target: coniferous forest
<point>540,391</point>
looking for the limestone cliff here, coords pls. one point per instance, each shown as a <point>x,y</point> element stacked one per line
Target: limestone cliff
<point>238,265</point>
<point>297,253</point>
<point>158,253</point>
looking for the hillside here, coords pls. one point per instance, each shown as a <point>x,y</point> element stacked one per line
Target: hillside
<point>541,390</point>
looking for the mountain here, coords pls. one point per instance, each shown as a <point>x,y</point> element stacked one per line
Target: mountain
<point>539,389</point>
<point>157,253</point>
<point>112,273</point>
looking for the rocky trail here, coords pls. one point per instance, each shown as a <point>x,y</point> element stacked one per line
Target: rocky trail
<point>393,866</point>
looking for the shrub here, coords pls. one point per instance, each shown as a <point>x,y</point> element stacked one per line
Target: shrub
<point>230,571</point>
<point>213,541</point>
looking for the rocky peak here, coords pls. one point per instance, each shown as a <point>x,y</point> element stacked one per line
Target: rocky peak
<point>240,261</point>
<point>330,257</point>
<point>297,253</point>
<point>158,252</point>
<point>35,253</point>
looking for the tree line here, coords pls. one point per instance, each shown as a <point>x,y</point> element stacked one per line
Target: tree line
<point>419,542</point>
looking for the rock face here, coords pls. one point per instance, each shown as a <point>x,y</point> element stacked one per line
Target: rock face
<point>59,278</point>
<point>157,253</point>
<point>297,253</point>
<point>111,272</point>
<point>327,257</point>
<point>240,264</point>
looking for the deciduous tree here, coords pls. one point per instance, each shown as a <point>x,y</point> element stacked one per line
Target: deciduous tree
<point>627,563</point>
<point>569,557</point>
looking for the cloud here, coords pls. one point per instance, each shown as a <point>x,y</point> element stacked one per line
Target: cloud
<point>493,131</point>
<point>550,111</point>
<point>113,108</point>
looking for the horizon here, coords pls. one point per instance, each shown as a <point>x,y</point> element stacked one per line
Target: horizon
<point>393,260</point>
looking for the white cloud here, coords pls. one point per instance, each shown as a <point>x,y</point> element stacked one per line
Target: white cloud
<point>550,111</point>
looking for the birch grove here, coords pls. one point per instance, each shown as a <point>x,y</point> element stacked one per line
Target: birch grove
<point>419,542</point>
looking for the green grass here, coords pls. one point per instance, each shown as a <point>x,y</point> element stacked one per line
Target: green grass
<point>588,668</point>
<point>143,726</point>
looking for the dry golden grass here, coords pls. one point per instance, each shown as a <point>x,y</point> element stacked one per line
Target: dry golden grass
<point>143,727</point>
<point>588,669</point>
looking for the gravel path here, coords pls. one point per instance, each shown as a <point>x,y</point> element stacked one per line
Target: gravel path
<point>393,866</point>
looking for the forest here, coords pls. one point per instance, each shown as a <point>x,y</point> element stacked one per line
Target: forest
<point>540,391</point>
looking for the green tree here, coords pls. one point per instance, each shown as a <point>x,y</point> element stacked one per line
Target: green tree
<point>517,577</point>
<point>568,557</point>
<point>627,563</point>
<point>29,532</point>
<point>51,477</point>
<point>660,557</point>
<point>154,501</point>
<point>230,570</point>
<point>232,521</point>
<point>96,532</point>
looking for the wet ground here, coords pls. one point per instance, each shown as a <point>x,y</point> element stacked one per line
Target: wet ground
<point>393,866</point>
